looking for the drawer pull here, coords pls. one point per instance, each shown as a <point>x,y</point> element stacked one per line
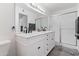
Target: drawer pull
<point>47,49</point>
<point>39,48</point>
<point>52,39</point>
<point>47,39</point>
<point>47,35</point>
<point>47,44</point>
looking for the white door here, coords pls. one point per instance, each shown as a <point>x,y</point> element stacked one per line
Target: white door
<point>67,22</point>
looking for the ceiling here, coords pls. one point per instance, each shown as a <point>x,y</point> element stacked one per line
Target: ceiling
<point>51,8</point>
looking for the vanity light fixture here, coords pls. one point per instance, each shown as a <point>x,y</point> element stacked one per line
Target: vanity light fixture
<point>36,8</point>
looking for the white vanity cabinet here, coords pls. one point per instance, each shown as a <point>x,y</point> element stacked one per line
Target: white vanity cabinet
<point>39,45</point>
<point>49,42</point>
<point>35,49</point>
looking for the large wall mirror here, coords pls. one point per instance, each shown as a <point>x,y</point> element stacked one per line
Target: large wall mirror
<point>23,22</point>
<point>42,24</point>
<point>24,25</point>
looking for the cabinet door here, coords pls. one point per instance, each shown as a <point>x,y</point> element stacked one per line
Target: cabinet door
<point>39,48</point>
<point>35,49</point>
<point>24,50</point>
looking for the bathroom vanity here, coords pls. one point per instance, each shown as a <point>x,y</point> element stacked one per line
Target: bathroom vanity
<point>35,43</point>
<point>32,43</point>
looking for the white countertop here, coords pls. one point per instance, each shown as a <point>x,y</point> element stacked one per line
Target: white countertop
<point>34,33</point>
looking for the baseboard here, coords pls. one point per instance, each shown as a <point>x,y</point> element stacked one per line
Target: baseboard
<point>57,43</point>
<point>69,46</point>
<point>66,45</point>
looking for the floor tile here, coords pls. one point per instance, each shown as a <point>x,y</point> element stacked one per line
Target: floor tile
<point>63,51</point>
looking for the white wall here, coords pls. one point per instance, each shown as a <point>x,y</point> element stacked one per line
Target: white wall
<point>30,15</point>
<point>65,11</point>
<point>6,23</point>
<point>55,27</point>
<point>6,18</point>
<point>23,9</point>
<point>51,23</point>
<point>78,8</point>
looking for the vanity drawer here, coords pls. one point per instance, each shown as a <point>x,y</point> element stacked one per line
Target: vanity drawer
<point>39,37</point>
<point>51,36</point>
<point>36,49</point>
<point>39,48</point>
<point>24,50</point>
<point>26,41</point>
<point>78,43</point>
<point>30,40</point>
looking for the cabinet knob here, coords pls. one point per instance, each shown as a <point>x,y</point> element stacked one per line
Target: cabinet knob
<point>47,49</point>
<point>47,44</point>
<point>52,39</point>
<point>39,48</point>
<point>23,10</point>
<point>47,35</point>
<point>47,39</point>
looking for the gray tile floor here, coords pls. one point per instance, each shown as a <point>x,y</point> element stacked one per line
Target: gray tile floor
<point>63,51</point>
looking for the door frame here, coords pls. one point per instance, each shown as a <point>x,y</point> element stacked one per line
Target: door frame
<point>66,44</point>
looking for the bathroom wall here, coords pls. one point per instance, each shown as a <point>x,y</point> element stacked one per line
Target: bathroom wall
<point>6,19</point>
<point>31,16</point>
<point>6,23</point>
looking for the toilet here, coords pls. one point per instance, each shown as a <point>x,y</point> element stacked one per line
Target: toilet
<point>4,47</point>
